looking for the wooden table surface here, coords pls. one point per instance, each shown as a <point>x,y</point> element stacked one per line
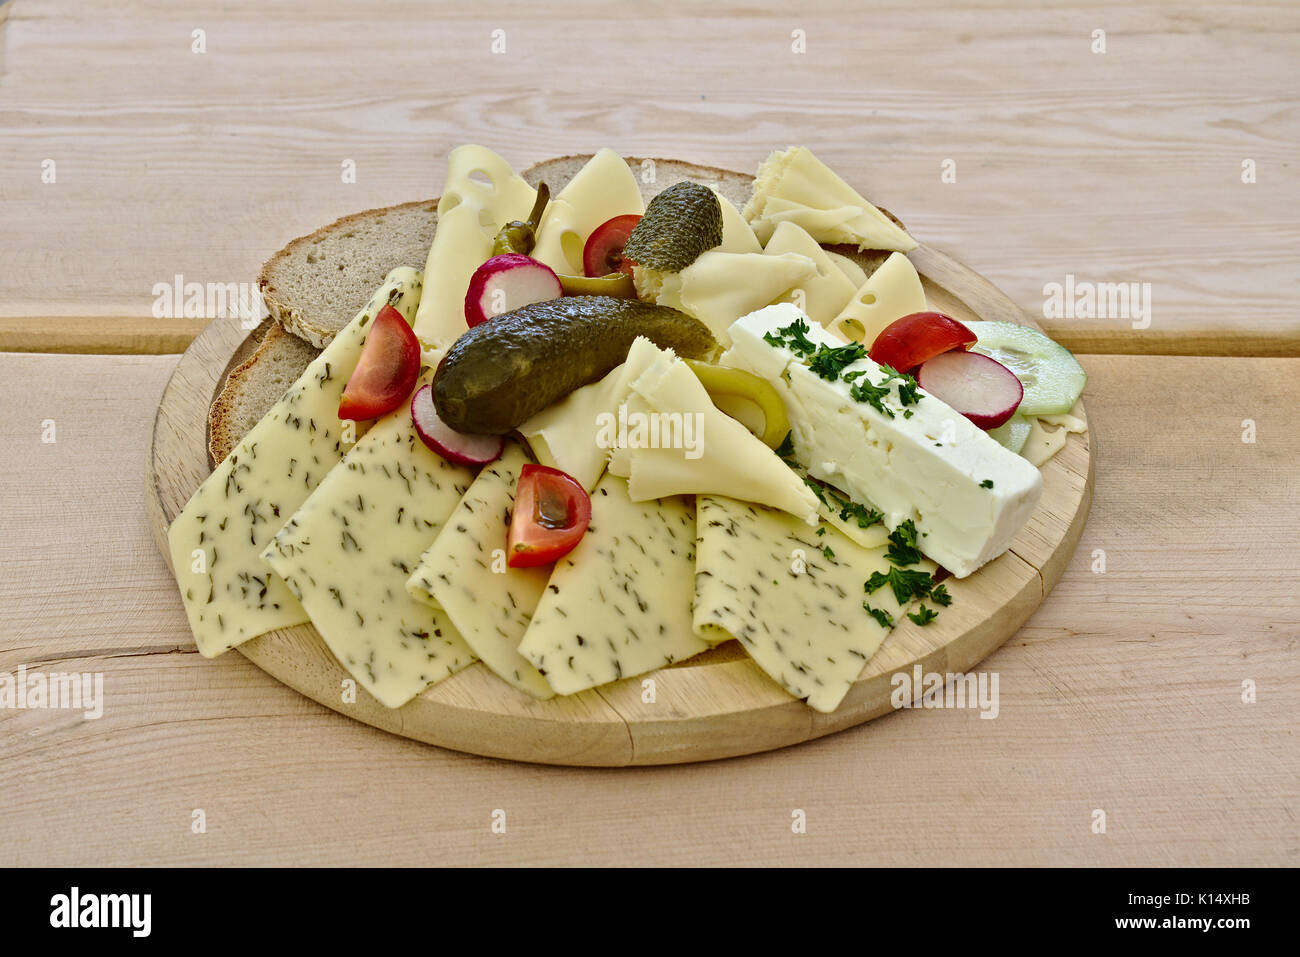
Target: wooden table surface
<point>1123,693</point>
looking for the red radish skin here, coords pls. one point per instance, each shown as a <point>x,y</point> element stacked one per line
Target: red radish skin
<point>456,447</point>
<point>386,372</point>
<point>603,252</point>
<point>907,342</point>
<point>506,283</point>
<point>980,388</point>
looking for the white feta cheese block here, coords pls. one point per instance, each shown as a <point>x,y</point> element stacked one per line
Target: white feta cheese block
<point>605,187</point>
<point>791,597</point>
<point>349,550</point>
<point>967,494</point>
<point>618,605</point>
<point>215,541</point>
<point>672,440</point>
<point>464,572</point>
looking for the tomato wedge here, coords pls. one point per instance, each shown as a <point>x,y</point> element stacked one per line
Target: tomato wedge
<point>387,370</point>
<point>603,253</point>
<point>552,512</point>
<point>905,343</point>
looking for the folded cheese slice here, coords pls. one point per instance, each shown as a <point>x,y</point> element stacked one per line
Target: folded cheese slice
<point>348,551</point>
<point>464,573</point>
<point>737,235</point>
<point>821,296</point>
<point>791,597</point>
<point>215,541</point>
<point>891,292</point>
<point>672,440</point>
<point>569,435</point>
<point>482,194</point>
<point>795,186</point>
<point>618,605</point>
<point>604,188</point>
<point>720,287</point>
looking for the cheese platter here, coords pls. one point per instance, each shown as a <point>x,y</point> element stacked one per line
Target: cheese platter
<point>775,453</point>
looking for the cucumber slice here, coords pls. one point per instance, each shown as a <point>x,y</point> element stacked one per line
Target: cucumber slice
<point>1012,433</point>
<point>1052,377</point>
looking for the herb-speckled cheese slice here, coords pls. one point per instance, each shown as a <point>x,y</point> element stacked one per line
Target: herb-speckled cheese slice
<point>464,573</point>
<point>792,598</point>
<point>348,551</point>
<point>216,539</point>
<point>618,605</point>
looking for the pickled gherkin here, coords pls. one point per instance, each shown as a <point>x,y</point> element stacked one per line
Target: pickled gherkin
<point>501,373</point>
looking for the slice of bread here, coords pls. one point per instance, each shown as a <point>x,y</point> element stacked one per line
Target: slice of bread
<point>255,385</point>
<point>315,285</point>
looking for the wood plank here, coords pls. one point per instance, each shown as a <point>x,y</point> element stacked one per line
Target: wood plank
<point>1116,167</point>
<point>1122,692</point>
<point>103,335</point>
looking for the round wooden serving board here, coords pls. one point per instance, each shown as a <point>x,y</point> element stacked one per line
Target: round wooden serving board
<point>716,705</point>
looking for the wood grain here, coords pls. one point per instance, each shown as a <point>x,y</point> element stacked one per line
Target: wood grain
<point>1117,167</point>
<point>1121,692</point>
<point>719,705</point>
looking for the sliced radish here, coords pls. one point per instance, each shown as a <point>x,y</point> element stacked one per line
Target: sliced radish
<point>506,283</point>
<point>453,446</point>
<point>980,388</point>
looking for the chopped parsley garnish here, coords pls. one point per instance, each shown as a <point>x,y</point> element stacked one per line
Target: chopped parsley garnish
<point>923,615</point>
<point>794,337</point>
<point>940,596</point>
<point>866,516</point>
<point>902,545</point>
<point>827,553</point>
<point>872,395</point>
<point>848,509</point>
<point>821,531</point>
<point>907,413</point>
<point>907,390</point>
<point>785,451</point>
<point>828,362</point>
<point>905,584</point>
<point>987,483</point>
<point>885,618</point>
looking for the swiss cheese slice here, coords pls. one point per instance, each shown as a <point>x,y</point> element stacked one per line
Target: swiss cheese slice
<point>822,296</point>
<point>795,186</point>
<point>891,292</point>
<point>672,440</point>
<point>464,572</point>
<point>215,541</point>
<point>604,188</point>
<point>618,605</point>
<point>349,550</point>
<point>791,597</point>
<point>482,194</point>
